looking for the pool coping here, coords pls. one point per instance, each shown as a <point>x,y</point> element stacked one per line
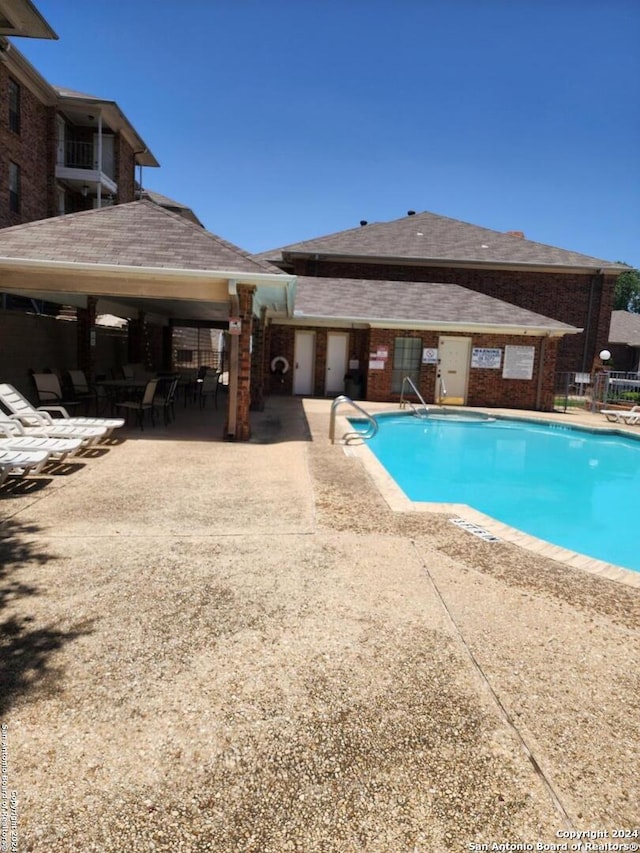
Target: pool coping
<point>398,501</point>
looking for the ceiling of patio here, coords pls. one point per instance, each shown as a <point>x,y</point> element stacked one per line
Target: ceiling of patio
<point>122,300</point>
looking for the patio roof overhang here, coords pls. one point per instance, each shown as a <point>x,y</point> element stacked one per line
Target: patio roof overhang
<point>165,293</point>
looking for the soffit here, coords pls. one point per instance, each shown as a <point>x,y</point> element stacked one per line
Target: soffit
<point>22,18</point>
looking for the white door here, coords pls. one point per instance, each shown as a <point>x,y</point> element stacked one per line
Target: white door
<point>337,347</point>
<point>454,356</point>
<point>108,166</point>
<point>303,363</point>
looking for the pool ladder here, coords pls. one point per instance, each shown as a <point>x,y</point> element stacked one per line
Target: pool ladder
<point>372,427</point>
<point>418,412</point>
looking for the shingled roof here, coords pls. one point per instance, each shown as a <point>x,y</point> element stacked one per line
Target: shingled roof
<point>625,328</point>
<point>169,204</point>
<point>139,233</point>
<point>424,237</point>
<point>413,303</point>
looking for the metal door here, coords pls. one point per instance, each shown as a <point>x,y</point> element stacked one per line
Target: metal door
<point>337,347</point>
<point>303,364</point>
<point>453,370</point>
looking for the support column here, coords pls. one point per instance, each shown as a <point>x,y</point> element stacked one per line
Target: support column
<point>139,342</point>
<point>238,426</point>
<point>135,347</point>
<point>258,361</point>
<point>86,338</point>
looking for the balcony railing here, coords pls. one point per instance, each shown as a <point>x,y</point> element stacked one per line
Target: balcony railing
<point>78,155</point>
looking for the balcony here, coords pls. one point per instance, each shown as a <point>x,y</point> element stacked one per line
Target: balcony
<point>79,155</point>
<point>78,167</point>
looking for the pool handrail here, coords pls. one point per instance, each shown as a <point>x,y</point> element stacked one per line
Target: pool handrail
<point>368,433</point>
<point>407,380</point>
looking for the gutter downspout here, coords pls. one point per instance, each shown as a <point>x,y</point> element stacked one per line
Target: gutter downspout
<point>100,160</point>
<point>234,351</point>
<point>588,324</point>
<point>543,348</point>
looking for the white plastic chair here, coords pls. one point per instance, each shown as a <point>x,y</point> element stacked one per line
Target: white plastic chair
<point>20,407</point>
<point>13,437</point>
<point>19,463</point>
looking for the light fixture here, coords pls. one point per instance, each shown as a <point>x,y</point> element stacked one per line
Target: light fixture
<point>85,190</point>
<point>605,355</point>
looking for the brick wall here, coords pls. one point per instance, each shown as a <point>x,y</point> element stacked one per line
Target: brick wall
<point>581,300</point>
<point>124,170</point>
<point>486,386</point>
<point>33,150</point>
<point>281,342</point>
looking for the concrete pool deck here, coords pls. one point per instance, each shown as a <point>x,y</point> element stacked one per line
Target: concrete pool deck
<point>241,647</point>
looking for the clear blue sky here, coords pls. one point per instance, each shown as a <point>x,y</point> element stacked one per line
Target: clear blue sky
<point>282,120</point>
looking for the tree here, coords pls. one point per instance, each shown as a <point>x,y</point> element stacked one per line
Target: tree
<point>626,295</point>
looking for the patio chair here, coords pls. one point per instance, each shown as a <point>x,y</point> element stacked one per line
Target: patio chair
<point>82,391</point>
<point>19,463</point>
<point>12,401</point>
<point>13,437</point>
<point>165,399</point>
<point>49,390</point>
<point>143,404</point>
<point>209,387</point>
<point>622,416</point>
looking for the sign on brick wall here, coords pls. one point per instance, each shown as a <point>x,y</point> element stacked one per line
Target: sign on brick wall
<point>518,362</point>
<point>486,357</point>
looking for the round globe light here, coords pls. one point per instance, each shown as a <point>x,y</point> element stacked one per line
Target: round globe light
<point>605,355</point>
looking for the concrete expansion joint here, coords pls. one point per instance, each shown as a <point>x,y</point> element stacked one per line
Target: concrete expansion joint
<point>502,710</point>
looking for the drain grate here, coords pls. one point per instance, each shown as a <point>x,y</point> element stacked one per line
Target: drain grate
<point>474,529</point>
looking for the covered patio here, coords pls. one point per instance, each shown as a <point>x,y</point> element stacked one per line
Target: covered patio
<point>152,267</point>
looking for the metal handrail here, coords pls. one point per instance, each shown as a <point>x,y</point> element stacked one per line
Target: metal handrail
<point>409,381</point>
<point>369,433</point>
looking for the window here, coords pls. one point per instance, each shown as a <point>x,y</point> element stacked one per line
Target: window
<point>407,355</point>
<point>14,187</point>
<point>14,106</point>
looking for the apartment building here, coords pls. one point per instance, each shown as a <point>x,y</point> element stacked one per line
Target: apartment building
<point>61,151</point>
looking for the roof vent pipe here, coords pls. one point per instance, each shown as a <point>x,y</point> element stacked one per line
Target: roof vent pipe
<point>363,222</point>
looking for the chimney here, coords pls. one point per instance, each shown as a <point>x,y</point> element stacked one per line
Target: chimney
<point>518,234</point>
<point>363,222</point>
<point>411,213</point>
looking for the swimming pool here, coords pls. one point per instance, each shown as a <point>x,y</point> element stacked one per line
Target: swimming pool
<point>568,486</point>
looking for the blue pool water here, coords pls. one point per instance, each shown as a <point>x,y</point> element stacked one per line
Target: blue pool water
<point>571,487</point>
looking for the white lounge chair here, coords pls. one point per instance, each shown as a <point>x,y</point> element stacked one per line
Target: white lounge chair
<point>622,416</point>
<point>18,463</point>
<point>13,437</point>
<point>55,429</point>
<point>18,405</point>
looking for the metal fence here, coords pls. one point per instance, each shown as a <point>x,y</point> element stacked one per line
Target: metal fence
<point>574,390</point>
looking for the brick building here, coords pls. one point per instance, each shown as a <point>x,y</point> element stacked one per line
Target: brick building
<point>61,151</point>
<point>472,315</point>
